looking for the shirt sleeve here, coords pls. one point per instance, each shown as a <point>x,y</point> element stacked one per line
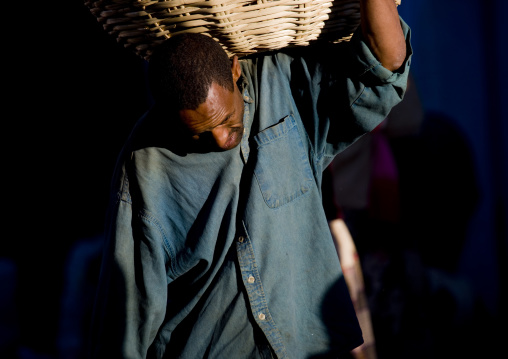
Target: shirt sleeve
<point>345,92</point>
<point>372,91</point>
<point>131,298</point>
<point>383,88</point>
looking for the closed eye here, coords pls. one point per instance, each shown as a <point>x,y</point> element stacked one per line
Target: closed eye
<point>228,117</point>
<point>197,136</point>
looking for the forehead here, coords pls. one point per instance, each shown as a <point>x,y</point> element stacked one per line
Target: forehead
<point>219,105</point>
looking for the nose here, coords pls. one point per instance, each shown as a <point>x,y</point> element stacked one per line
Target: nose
<point>221,136</point>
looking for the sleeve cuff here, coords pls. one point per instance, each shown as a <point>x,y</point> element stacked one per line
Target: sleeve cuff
<point>370,65</point>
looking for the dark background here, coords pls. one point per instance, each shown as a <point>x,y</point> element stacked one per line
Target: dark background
<point>73,95</point>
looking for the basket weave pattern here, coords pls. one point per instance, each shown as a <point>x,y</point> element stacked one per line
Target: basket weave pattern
<point>242,27</point>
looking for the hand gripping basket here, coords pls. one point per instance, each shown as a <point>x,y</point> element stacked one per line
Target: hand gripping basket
<point>242,27</point>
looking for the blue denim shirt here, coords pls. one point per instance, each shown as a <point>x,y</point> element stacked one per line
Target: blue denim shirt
<point>229,254</point>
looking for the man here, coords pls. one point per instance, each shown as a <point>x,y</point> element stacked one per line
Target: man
<point>217,242</point>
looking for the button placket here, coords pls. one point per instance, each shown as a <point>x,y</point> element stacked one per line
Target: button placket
<point>255,293</point>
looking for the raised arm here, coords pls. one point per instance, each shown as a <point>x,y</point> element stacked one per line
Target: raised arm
<point>382,31</point>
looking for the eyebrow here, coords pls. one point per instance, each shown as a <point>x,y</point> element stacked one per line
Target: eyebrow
<point>226,119</point>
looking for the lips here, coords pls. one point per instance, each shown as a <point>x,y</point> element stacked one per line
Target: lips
<point>231,140</point>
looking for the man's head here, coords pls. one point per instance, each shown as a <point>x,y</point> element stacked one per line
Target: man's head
<point>192,79</point>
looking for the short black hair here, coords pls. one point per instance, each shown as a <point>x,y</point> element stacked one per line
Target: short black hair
<point>182,69</point>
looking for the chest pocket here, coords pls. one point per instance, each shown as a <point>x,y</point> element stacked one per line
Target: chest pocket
<point>282,169</point>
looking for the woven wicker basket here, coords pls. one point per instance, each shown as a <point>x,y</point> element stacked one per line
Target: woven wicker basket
<point>242,27</point>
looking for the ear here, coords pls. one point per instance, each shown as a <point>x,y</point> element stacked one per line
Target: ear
<point>236,68</point>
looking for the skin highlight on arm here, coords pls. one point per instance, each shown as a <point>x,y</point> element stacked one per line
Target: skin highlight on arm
<point>383,33</point>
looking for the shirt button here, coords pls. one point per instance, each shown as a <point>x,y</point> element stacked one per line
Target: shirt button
<point>251,279</point>
<point>241,239</point>
<point>261,316</point>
